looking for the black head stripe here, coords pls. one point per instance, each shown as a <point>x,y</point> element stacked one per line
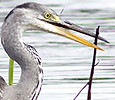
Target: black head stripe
<point>8,14</point>
<point>25,5</point>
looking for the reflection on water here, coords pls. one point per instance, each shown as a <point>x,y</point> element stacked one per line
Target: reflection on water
<point>66,63</point>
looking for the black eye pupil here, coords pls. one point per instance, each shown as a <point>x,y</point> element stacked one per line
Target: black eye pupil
<point>48,15</point>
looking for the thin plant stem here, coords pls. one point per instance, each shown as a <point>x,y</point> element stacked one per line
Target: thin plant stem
<point>11,64</point>
<point>93,65</point>
<point>80,91</point>
<point>92,71</point>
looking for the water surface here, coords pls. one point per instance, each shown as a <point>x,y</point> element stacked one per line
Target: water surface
<point>66,63</point>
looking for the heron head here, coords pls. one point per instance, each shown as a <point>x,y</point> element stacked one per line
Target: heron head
<point>34,16</point>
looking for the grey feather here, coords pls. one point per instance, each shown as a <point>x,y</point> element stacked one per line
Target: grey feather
<point>17,22</point>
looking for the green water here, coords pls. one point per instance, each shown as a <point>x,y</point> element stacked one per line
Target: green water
<point>66,63</point>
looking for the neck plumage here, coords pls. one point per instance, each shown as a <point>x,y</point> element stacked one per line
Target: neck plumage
<point>26,56</point>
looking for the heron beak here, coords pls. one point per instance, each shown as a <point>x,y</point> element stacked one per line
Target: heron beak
<point>60,28</point>
<point>65,33</point>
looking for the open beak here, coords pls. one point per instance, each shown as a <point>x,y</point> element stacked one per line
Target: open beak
<point>60,28</point>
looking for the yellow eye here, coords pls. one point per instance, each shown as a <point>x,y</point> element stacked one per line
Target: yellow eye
<point>47,15</point>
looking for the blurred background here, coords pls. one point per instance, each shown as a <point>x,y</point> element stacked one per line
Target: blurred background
<point>66,63</point>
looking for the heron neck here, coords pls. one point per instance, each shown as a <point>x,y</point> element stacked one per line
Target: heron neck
<point>31,73</point>
<point>30,85</point>
<point>11,39</point>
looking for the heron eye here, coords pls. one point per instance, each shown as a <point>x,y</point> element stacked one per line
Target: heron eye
<point>47,15</point>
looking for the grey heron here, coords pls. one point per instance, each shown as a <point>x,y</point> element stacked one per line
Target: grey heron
<point>32,16</point>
